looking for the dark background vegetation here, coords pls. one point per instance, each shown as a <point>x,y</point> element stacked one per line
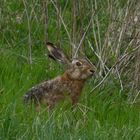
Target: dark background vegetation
<point>107,32</point>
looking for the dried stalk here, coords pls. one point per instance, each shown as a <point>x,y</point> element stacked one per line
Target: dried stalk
<point>58,22</point>
<point>65,27</point>
<point>74,25</point>
<point>115,64</point>
<point>45,11</point>
<point>83,37</point>
<point>29,32</point>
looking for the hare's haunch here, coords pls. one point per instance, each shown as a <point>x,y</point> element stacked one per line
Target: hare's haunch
<point>71,82</point>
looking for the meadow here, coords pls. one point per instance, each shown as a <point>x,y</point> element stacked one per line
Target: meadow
<point>108,112</point>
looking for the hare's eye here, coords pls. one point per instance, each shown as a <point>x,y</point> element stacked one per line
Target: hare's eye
<point>78,63</point>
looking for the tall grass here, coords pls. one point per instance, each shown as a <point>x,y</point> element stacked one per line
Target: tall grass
<point>105,113</point>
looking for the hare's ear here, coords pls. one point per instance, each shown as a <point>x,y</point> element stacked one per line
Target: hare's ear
<point>56,53</point>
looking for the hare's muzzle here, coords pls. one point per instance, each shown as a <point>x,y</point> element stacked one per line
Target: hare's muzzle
<point>91,71</point>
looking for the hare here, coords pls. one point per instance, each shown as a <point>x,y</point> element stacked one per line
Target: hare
<point>70,83</point>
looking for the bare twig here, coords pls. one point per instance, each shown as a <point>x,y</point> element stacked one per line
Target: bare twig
<point>65,27</point>
<point>116,63</point>
<point>99,57</point>
<point>29,32</point>
<point>134,101</point>
<point>83,37</point>
<point>119,76</point>
<point>45,11</point>
<point>58,22</point>
<point>74,25</point>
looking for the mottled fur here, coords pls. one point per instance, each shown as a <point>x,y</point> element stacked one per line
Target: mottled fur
<point>70,83</point>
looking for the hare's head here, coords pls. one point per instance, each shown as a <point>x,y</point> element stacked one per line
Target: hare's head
<point>77,69</point>
<point>80,69</point>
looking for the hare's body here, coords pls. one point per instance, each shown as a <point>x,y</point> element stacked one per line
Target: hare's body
<point>52,91</point>
<point>70,83</point>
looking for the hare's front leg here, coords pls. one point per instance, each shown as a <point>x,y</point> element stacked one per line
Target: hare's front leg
<point>53,100</point>
<point>37,108</point>
<point>50,105</point>
<point>75,98</point>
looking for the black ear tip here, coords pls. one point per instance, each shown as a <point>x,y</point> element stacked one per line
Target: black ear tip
<point>51,56</point>
<point>49,43</point>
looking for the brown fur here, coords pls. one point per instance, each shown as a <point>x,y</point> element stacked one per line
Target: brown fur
<point>70,83</point>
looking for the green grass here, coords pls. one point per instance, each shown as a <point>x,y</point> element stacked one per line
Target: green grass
<point>105,114</point>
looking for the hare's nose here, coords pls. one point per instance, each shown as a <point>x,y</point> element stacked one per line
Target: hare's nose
<point>92,71</point>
